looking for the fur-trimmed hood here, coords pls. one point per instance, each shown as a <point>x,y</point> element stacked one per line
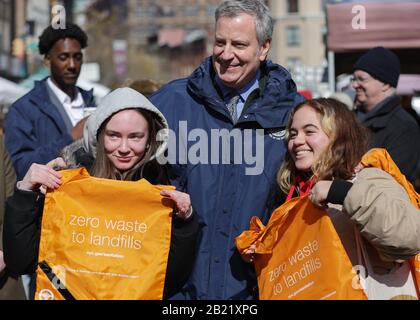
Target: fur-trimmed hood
<point>117,100</point>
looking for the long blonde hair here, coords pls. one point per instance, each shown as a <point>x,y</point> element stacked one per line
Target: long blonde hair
<point>348,143</point>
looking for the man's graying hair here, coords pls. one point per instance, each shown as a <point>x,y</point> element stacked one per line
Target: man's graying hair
<point>264,23</point>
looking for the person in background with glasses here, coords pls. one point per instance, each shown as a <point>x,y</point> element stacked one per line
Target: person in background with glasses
<point>375,79</point>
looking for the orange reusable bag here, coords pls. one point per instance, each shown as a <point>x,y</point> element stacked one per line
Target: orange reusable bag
<point>103,239</point>
<point>300,256</point>
<point>381,159</point>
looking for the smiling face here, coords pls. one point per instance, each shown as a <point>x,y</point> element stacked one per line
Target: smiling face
<point>125,139</point>
<point>307,139</point>
<point>236,52</point>
<point>369,91</point>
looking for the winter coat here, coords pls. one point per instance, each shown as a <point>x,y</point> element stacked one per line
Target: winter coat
<point>397,131</point>
<point>223,189</point>
<point>381,209</point>
<point>35,130</point>
<point>377,212</point>
<point>24,208</point>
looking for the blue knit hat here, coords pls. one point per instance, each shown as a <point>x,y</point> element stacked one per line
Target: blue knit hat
<point>381,64</point>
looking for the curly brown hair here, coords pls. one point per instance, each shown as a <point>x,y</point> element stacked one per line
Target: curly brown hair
<point>349,142</point>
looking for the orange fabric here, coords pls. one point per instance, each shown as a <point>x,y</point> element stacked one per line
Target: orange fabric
<point>300,256</point>
<point>304,187</point>
<point>45,290</point>
<point>108,239</point>
<point>380,158</point>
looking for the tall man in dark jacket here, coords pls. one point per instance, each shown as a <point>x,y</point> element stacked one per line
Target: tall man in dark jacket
<point>375,79</point>
<point>50,116</point>
<point>228,119</point>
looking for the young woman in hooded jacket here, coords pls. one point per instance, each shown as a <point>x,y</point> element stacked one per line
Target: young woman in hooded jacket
<point>122,140</point>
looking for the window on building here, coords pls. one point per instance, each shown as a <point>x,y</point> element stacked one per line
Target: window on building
<point>191,11</point>
<point>141,12</point>
<point>292,62</point>
<point>5,25</point>
<point>168,11</point>
<point>292,6</point>
<point>293,36</point>
<point>211,9</point>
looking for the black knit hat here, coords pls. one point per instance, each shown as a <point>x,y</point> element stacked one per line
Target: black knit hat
<point>381,64</point>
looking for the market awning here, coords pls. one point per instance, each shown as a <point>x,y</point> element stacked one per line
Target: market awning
<point>176,37</point>
<point>408,84</point>
<point>392,25</point>
<point>171,37</point>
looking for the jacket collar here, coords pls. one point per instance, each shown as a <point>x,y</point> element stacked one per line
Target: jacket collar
<point>40,97</point>
<point>380,119</point>
<point>40,92</point>
<point>270,109</point>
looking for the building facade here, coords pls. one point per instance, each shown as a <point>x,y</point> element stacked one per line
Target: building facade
<point>149,39</point>
<point>12,45</point>
<point>299,39</point>
<point>181,32</point>
<point>21,23</point>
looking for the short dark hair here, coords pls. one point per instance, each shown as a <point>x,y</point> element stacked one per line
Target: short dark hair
<point>51,35</point>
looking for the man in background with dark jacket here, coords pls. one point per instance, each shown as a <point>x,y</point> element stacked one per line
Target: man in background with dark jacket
<point>375,79</point>
<point>229,117</point>
<point>51,115</point>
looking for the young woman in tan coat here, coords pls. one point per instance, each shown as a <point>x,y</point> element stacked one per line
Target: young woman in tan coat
<point>371,212</point>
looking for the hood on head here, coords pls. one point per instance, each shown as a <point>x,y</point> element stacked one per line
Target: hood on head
<point>117,100</point>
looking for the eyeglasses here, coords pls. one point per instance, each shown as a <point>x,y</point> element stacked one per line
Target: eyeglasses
<point>360,79</point>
